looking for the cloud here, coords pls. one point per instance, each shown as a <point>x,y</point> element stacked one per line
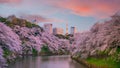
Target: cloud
<point>10,1</point>
<point>87,8</point>
<point>90,8</point>
<point>40,19</point>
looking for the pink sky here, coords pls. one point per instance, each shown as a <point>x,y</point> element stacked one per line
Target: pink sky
<point>94,8</point>
<point>62,10</point>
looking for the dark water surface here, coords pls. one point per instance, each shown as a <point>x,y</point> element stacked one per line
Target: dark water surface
<point>46,62</point>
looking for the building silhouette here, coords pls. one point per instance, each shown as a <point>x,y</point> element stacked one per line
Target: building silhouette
<point>66,28</point>
<point>48,28</point>
<point>58,31</point>
<point>73,30</point>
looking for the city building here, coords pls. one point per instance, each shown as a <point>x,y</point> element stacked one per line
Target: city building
<point>73,30</point>
<point>58,31</point>
<point>48,28</point>
<point>66,28</point>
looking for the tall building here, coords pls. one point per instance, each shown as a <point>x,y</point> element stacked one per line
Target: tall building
<point>58,31</point>
<point>48,28</point>
<point>66,28</point>
<point>73,30</point>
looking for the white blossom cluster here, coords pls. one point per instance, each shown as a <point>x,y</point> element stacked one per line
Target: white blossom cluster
<point>21,40</point>
<point>100,37</point>
<point>9,41</point>
<point>34,38</point>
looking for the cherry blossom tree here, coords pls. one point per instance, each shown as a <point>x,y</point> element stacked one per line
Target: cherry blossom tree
<point>101,37</point>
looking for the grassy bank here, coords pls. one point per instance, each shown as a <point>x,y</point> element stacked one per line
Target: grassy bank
<point>98,62</point>
<point>103,62</point>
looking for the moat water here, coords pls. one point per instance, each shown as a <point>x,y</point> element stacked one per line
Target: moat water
<point>46,62</point>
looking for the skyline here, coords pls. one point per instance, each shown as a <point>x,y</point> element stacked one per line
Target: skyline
<point>79,13</point>
<point>48,27</point>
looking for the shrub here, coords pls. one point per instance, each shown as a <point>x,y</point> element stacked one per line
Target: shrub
<point>62,36</point>
<point>2,19</point>
<point>9,24</point>
<point>45,50</point>
<point>34,51</point>
<point>28,24</point>
<point>6,52</point>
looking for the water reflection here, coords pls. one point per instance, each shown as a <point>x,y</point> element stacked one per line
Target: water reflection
<point>46,62</point>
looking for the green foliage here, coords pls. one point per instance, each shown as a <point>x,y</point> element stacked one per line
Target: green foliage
<point>97,62</point>
<point>103,62</point>
<point>34,25</point>
<point>116,55</point>
<point>60,52</point>
<point>28,24</point>
<point>67,37</point>
<point>20,22</point>
<point>102,52</point>
<point>9,24</point>
<point>6,52</point>
<point>118,50</point>
<point>62,36</point>
<point>34,51</point>
<point>45,50</point>
<point>2,19</point>
<point>109,61</point>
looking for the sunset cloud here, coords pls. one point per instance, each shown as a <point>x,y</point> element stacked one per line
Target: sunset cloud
<point>87,8</point>
<point>96,8</point>
<point>80,13</point>
<point>40,19</point>
<point>10,1</point>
